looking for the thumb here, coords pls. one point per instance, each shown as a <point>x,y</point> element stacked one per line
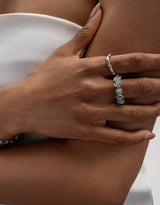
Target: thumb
<point>87,33</point>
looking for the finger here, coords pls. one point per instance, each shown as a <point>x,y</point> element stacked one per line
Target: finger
<point>101,91</point>
<point>128,113</point>
<point>115,136</point>
<point>141,88</point>
<point>97,115</point>
<point>86,34</point>
<point>96,66</point>
<point>135,62</point>
<point>126,63</point>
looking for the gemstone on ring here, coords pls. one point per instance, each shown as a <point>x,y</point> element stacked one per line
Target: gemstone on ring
<point>117,81</point>
<point>121,102</point>
<point>118,91</point>
<point>117,78</point>
<point>117,84</point>
<point>119,97</point>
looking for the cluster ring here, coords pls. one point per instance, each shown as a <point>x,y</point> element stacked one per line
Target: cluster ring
<point>117,84</point>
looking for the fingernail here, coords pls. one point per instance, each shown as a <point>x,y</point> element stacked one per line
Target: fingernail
<point>149,136</point>
<point>95,10</point>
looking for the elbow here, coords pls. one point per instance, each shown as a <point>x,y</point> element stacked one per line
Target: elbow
<point>109,193</point>
<point>109,188</point>
<point>114,198</point>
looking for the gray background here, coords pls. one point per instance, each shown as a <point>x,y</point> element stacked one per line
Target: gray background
<point>152,163</point>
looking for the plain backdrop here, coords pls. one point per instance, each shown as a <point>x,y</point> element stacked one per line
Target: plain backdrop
<point>152,163</point>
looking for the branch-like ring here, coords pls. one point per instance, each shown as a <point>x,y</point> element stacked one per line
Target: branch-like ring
<point>109,64</point>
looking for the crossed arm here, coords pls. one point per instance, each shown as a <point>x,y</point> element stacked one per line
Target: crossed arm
<point>71,172</point>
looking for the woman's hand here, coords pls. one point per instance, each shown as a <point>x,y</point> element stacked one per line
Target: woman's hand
<point>69,97</point>
<point>145,70</point>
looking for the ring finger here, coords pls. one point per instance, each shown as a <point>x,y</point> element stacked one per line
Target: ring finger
<point>125,113</point>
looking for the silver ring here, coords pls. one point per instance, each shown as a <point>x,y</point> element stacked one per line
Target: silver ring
<point>10,141</point>
<point>109,64</point>
<point>117,84</point>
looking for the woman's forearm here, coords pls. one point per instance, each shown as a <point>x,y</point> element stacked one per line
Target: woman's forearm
<point>61,172</point>
<point>10,117</point>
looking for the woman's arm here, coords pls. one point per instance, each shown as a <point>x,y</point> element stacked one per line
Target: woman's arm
<point>64,172</point>
<point>56,108</point>
<point>91,170</point>
<point>10,115</point>
<point>127,26</point>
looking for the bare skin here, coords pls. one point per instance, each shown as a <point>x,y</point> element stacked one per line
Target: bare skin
<point>83,109</point>
<point>116,158</point>
<point>73,10</point>
<point>124,30</point>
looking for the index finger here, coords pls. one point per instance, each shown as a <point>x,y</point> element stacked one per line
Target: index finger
<point>125,63</point>
<point>135,62</point>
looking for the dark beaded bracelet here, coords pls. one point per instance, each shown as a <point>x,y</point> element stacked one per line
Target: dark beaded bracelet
<point>10,141</point>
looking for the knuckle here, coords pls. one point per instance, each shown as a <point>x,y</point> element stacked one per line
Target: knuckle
<point>91,67</point>
<point>88,133</point>
<point>59,51</point>
<point>82,112</point>
<point>87,28</point>
<point>79,131</point>
<point>81,109</point>
<point>135,114</point>
<point>89,88</point>
<point>93,63</point>
<point>63,50</point>
<point>82,33</point>
<point>136,59</point>
<point>89,91</point>
<point>84,132</point>
<point>86,67</point>
<point>144,87</point>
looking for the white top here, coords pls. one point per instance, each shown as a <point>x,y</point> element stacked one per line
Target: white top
<point>26,40</point>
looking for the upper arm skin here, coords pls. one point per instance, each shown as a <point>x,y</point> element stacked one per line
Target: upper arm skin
<point>72,10</point>
<point>68,172</point>
<point>123,30</point>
